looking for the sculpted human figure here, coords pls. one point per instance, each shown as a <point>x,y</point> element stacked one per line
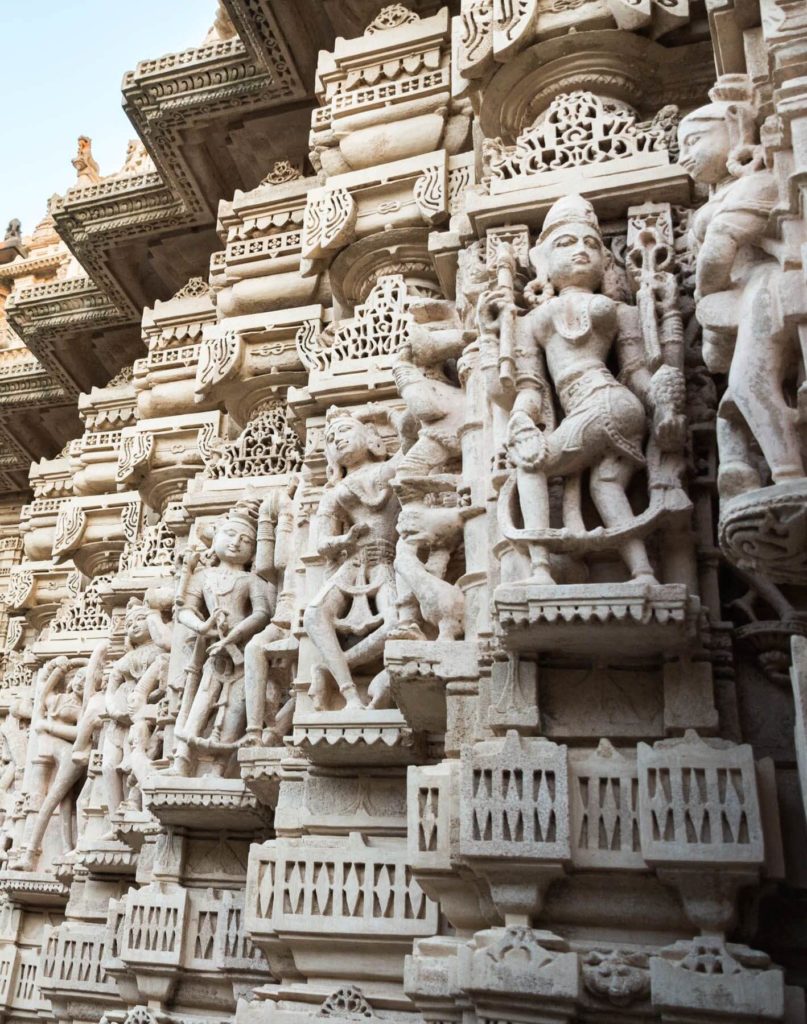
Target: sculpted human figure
<point>737,282</point>
<point>132,679</point>
<point>225,605</point>
<point>354,530</point>
<point>571,333</point>
<point>429,532</point>
<point>66,718</point>
<point>267,656</point>
<point>431,392</point>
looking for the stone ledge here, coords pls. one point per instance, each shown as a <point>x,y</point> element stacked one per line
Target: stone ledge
<point>639,619</point>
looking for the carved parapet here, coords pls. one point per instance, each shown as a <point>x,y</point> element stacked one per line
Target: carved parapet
<point>322,898</point>
<point>699,804</point>
<point>701,824</point>
<point>146,934</point>
<point>487,837</point>
<point>19,980</point>
<point>433,815</point>
<point>71,973</point>
<point>600,618</point>
<point>489,834</point>
<point>157,940</point>
<point>92,530</point>
<point>514,818</point>
<point>604,809</point>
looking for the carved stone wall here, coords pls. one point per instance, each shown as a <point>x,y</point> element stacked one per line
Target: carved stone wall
<point>414,629</point>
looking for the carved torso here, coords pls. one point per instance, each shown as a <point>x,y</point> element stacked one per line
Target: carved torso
<point>365,496</point>
<point>576,331</point>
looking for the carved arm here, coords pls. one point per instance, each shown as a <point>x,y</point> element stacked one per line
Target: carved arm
<point>726,234</point>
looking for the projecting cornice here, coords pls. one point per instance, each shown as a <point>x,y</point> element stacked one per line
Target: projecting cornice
<point>207,118</point>
<point>60,323</point>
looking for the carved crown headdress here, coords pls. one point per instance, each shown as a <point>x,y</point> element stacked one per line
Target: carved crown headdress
<point>245,514</point>
<point>569,210</point>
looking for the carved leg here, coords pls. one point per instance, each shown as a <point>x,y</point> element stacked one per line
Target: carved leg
<point>608,482</point>
<point>759,368</point>
<point>441,603</point>
<point>111,757</point>
<point>379,688</point>
<point>139,761</point>
<point>319,619</point>
<point>737,472</point>
<point>408,607</point>
<point>66,777</point>
<point>66,820</point>
<point>533,493</point>
<point>572,515</point>
<point>232,726</point>
<point>203,706</point>
<point>257,681</point>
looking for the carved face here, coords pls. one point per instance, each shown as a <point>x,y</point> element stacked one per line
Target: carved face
<point>136,626</point>
<point>346,442</point>
<point>575,257</point>
<point>704,146</point>
<point>76,684</point>
<point>234,543</point>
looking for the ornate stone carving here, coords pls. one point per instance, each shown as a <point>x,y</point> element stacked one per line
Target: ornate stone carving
<point>66,715</point>
<point>558,352</point>
<point>354,664</point>
<point>580,128</point>
<point>135,685</point>
<point>618,976</point>
<point>739,288</point>
<point>268,446</point>
<point>224,600</point>
<point>355,535</point>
